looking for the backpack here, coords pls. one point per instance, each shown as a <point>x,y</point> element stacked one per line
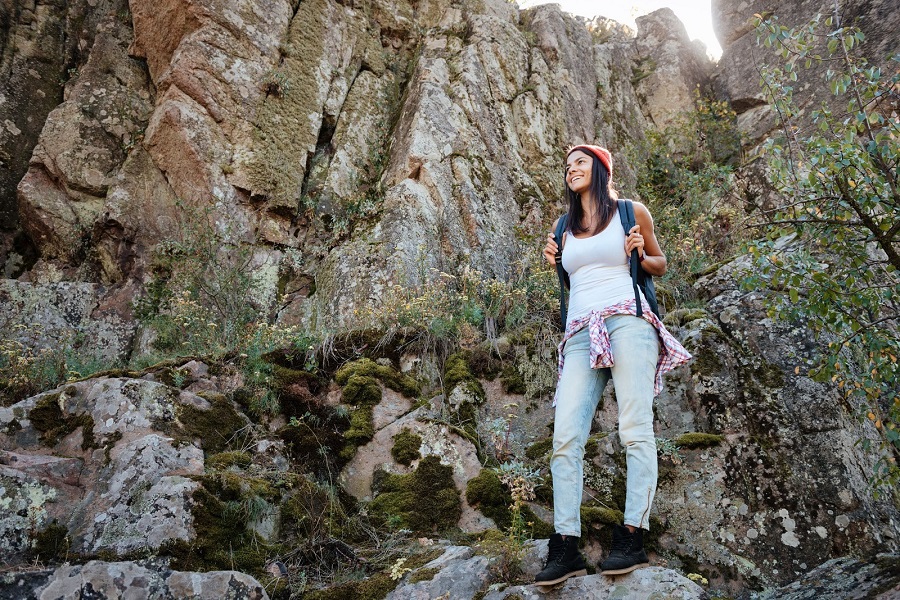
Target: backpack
<point>640,279</point>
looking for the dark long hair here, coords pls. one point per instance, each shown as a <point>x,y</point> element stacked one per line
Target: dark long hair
<point>604,198</point>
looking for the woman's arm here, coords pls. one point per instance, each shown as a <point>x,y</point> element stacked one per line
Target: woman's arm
<point>643,238</point>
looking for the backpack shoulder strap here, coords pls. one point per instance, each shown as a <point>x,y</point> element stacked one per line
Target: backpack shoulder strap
<point>560,272</point>
<point>626,214</point>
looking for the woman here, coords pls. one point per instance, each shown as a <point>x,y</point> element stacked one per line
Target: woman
<point>604,339</point>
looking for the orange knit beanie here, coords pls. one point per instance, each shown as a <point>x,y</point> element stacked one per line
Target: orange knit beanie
<point>601,153</point>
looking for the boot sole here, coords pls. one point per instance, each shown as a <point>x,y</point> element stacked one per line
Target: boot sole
<point>552,582</point>
<point>625,570</point>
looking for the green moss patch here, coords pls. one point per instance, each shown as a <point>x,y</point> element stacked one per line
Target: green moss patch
<point>539,449</point>
<point>406,447</point>
<point>401,500</point>
<point>52,543</point>
<point>368,368</point>
<point>223,540</point>
<point>423,558</point>
<point>48,418</point>
<point>316,439</point>
<point>226,460</point>
<point>488,494</point>
<point>601,515</point>
<point>699,440</point>
<point>483,362</point>
<point>315,511</point>
<point>456,372</point>
<point>231,486</point>
<point>215,428</point>
<point>513,382</point>
<point>423,575</point>
<point>361,390</point>
<point>361,431</point>
<point>375,587</point>
<point>592,445</point>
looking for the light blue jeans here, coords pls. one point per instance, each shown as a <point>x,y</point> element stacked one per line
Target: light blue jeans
<point>635,350</point>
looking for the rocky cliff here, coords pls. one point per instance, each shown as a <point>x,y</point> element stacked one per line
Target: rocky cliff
<point>241,231</point>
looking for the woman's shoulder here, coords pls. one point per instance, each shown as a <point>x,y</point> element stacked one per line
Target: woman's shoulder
<point>641,211</point>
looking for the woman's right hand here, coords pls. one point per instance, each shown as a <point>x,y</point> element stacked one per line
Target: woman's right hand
<point>551,248</point>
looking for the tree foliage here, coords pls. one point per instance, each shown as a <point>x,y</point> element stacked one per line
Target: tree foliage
<point>835,165</point>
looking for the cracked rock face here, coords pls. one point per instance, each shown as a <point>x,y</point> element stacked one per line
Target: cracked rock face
<point>430,132</point>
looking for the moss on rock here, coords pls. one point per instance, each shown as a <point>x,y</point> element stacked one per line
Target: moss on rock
<point>406,447</point>
<point>539,449</point>
<point>362,426</point>
<point>698,440</point>
<point>52,543</point>
<point>456,372</point>
<point>483,362</point>
<point>286,376</point>
<point>47,417</point>
<point>487,493</point>
<point>367,367</point>
<point>601,515</point>
<point>592,446</point>
<point>231,486</point>
<point>315,511</point>
<point>316,439</point>
<point>222,542</point>
<point>215,428</point>
<point>375,587</point>
<point>513,382</point>
<point>423,575</point>
<point>226,460</point>
<point>361,390</point>
<point>402,496</point>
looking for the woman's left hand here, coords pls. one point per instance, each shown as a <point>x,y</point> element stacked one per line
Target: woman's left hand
<point>634,240</point>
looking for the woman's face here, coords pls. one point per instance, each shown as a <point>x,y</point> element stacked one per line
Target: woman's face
<point>579,167</point>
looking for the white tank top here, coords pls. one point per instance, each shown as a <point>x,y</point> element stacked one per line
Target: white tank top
<point>598,270</point>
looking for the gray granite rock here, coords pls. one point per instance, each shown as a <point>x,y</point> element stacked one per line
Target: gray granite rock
<point>650,582</point>
<point>101,580</point>
<point>843,578</point>
<point>460,574</point>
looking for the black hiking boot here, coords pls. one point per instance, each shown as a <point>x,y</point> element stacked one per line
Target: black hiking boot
<point>627,553</point>
<point>563,561</point>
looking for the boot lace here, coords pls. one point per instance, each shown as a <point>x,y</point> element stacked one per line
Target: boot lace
<point>556,550</point>
<point>621,542</point>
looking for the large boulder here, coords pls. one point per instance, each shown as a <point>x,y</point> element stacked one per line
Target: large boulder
<point>112,580</point>
<point>111,460</point>
<point>783,482</point>
<point>844,577</point>
<point>435,439</point>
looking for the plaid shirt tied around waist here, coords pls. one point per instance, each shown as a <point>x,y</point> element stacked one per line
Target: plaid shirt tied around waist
<point>671,353</point>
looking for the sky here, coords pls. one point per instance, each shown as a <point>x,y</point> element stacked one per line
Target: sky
<point>695,14</point>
